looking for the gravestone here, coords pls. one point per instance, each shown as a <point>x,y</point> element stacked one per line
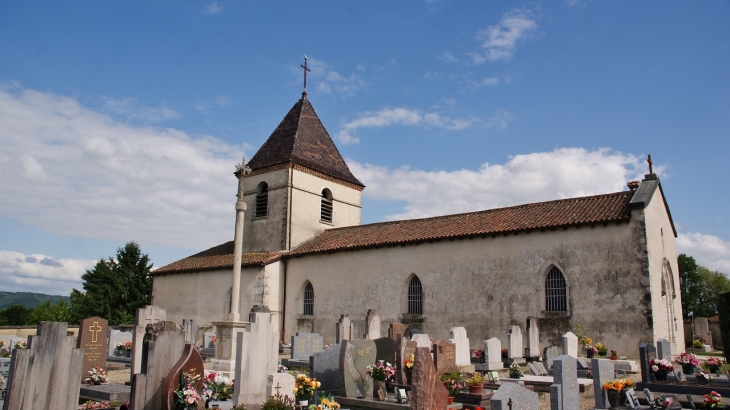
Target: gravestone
<point>542,371</point>
<point>343,331</point>
<point>427,391</point>
<point>304,345</point>
<point>208,342</point>
<point>602,372</point>
<point>412,332</point>
<point>117,337</point>
<point>702,329</point>
<point>664,349</point>
<point>533,337</point>
<point>145,316</point>
<point>493,354</point>
<point>533,369</point>
<point>5,369</point>
<point>422,340</point>
<point>396,329</point>
<point>372,325</point>
<point>647,353</point>
<point>188,326</point>
<point>514,343</point>
<point>162,346</point>
<point>189,363</point>
<point>458,338</point>
<point>257,355</point>
<point>45,375</point>
<point>92,338</point>
<point>355,357</point>
<point>325,367</point>
<point>570,344</point>
<point>404,349</point>
<point>282,383</point>
<point>385,349</point>
<point>550,354</point>
<point>565,378</point>
<point>444,355</point>
<point>511,396</point>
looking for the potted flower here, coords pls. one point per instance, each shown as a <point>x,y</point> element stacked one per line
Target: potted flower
<point>217,388</point>
<point>328,402</point>
<point>504,353</point>
<point>661,368</point>
<point>712,400</point>
<point>703,377</point>
<point>187,396</point>
<point>94,405</point>
<point>380,372</point>
<point>475,382</point>
<point>713,363</point>
<point>408,366</point>
<point>304,388</point>
<point>4,351</point>
<point>688,361</point>
<point>614,355</point>
<point>591,351</point>
<point>275,402</point>
<point>125,349</point>
<point>96,376</point>
<point>452,382</point>
<point>479,355</point>
<point>515,371</point>
<point>602,351</point>
<point>613,391</point>
<point>21,344</point>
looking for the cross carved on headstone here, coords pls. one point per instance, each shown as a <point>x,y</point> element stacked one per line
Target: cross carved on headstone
<point>651,165</point>
<point>95,329</point>
<point>278,386</point>
<point>305,72</point>
<point>241,171</point>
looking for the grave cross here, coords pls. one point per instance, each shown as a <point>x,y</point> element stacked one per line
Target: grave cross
<point>278,386</point>
<point>95,329</point>
<point>305,72</point>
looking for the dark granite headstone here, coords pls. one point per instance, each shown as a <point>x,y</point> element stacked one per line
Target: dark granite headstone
<point>304,345</point>
<point>647,353</point>
<point>92,338</point>
<point>427,391</point>
<point>325,367</point>
<point>444,354</point>
<point>355,357</point>
<point>602,372</point>
<point>396,329</point>
<point>386,349</point>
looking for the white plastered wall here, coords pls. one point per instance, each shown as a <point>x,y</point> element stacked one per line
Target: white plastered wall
<point>266,234</point>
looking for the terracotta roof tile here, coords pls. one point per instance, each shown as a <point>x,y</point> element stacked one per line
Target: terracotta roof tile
<point>218,257</point>
<point>564,212</point>
<point>302,139</point>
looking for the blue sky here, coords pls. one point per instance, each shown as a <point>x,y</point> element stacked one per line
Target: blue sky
<point>123,121</point>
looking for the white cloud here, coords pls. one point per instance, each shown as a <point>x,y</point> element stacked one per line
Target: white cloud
<point>400,116</point>
<point>41,273</point>
<point>217,101</point>
<point>130,107</point>
<point>500,41</point>
<point>487,82</point>
<point>329,81</point>
<point>708,250</point>
<point>71,171</point>
<point>213,8</point>
<point>448,56</point>
<point>540,176</point>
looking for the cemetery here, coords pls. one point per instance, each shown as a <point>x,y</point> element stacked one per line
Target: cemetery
<point>165,370</point>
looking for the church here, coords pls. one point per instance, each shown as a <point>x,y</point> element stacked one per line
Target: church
<point>605,262</point>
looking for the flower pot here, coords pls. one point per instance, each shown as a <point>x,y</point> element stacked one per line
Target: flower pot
<point>613,397</point>
<point>477,388</point>
<point>128,353</point>
<point>688,369</point>
<point>450,399</point>
<point>304,403</point>
<point>613,357</point>
<point>409,375</point>
<point>661,375</point>
<point>622,398</point>
<point>602,353</point>
<point>589,354</point>
<point>714,369</point>
<point>379,385</point>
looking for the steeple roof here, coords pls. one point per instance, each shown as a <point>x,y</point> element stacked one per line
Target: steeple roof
<point>301,139</point>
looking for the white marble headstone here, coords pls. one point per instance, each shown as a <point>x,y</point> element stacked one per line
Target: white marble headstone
<point>372,323</point>
<point>283,383</point>
<point>533,338</point>
<point>493,354</point>
<point>422,340</point>
<point>514,340</point>
<point>458,337</point>
<point>570,344</point>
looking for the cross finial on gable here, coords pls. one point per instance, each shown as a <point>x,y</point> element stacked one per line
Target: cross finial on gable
<point>651,164</point>
<point>305,74</point>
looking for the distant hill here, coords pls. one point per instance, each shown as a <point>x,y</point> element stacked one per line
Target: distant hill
<point>28,299</point>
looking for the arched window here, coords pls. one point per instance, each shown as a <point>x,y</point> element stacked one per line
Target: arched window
<point>262,200</point>
<point>308,300</point>
<point>415,296</point>
<point>326,207</point>
<point>556,293</point>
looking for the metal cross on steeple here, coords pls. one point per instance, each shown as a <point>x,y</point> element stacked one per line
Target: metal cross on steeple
<point>651,165</point>
<point>305,72</point>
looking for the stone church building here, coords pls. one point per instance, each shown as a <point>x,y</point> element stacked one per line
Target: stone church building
<point>606,262</point>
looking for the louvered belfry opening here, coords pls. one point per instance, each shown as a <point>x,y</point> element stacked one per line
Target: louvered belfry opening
<point>326,207</point>
<point>262,200</point>
<point>556,295</point>
<point>309,300</point>
<point>415,296</point>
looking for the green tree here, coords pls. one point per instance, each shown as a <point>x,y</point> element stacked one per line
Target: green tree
<point>49,312</point>
<point>14,315</point>
<point>712,285</point>
<point>115,288</point>
<point>689,284</point>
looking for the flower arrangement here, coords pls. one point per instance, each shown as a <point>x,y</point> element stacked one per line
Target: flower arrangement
<point>96,376</point>
<point>616,385</point>
<point>408,362</point>
<point>591,349</point>
<point>328,402</point>
<point>21,344</point>
<point>628,384</point>
<point>666,402</point>
<point>304,387</point>
<point>515,371</point>
<point>601,347</point>
<point>4,351</point>
<point>687,359</point>
<point>126,346</point>
<point>281,369</point>
<point>504,353</point>
<point>93,405</point>
<point>479,353</point>
<point>187,396</point>
<point>713,361</point>
<point>217,387</point>
<point>661,365</point>
<point>699,342</point>
<point>589,374</point>
<point>712,400</point>
<point>452,382</point>
<point>381,370</point>
<point>475,379</point>
<point>277,402</point>
<point>213,339</point>
<point>585,340</point>
<point>614,353</point>
<point>703,377</point>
